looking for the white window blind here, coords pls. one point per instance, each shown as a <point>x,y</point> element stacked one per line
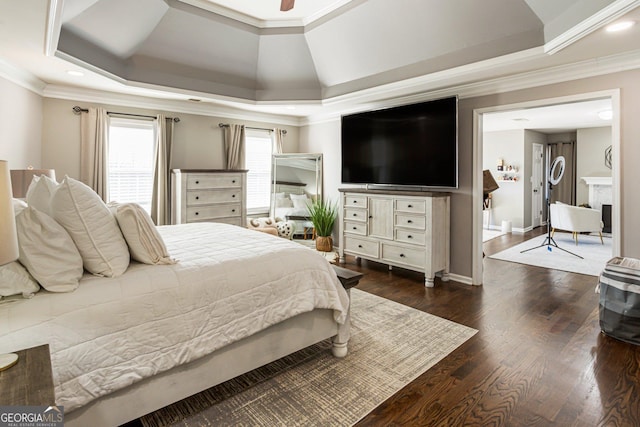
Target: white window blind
<point>258,150</point>
<point>131,152</point>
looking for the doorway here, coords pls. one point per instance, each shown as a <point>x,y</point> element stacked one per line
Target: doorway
<point>537,184</point>
<point>480,127</point>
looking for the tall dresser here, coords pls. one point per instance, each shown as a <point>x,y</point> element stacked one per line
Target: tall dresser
<point>399,228</point>
<point>199,195</point>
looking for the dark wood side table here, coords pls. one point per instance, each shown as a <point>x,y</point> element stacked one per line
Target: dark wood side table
<point>348,278</point>
<point>30,381</point>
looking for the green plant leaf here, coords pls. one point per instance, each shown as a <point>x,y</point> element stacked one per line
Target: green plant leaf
<point>323,216</point>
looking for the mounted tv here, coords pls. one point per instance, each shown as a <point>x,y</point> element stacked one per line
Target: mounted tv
<point>412,145</point>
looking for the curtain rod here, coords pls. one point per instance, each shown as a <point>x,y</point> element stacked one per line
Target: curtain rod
<point>78,110</point>
<point>226,125</point>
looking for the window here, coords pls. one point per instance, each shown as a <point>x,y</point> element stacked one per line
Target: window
<point>131,153</point>
<point>258,149</point>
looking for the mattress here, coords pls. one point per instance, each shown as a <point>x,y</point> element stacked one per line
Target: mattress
<point>229,283</point>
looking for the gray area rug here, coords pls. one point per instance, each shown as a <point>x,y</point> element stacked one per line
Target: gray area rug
<point>595,254</point>
<point>391,345</point>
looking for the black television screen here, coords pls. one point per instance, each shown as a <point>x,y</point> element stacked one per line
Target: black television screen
<point>411,145</point>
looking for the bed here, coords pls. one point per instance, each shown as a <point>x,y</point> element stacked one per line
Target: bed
<point>126,346</point>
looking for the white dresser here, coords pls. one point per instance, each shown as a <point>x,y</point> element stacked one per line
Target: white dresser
<point>209,195</point>
<point>398,228</point>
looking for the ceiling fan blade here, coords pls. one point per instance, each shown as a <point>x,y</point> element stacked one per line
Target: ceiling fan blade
<point>286,5</point>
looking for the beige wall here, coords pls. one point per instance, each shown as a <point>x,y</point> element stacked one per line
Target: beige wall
<point>461,202</point>
<point>20,126</point>
<point>197,139</point>
<point>590,148</point>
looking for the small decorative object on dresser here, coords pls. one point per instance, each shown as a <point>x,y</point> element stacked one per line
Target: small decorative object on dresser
<point>199,195</point>
<point>408,229</point>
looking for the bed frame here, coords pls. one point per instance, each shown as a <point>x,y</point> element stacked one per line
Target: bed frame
<point>224,364</point>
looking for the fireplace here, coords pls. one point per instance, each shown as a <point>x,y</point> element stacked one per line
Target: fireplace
<point>600,191</point>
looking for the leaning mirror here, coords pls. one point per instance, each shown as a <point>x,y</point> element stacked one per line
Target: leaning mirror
<point>296,181</point>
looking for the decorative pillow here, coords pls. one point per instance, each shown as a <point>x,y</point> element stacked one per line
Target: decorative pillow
<point>295,197</point>
<point>18,206</point>
<point>286,229</point>
<point>47,251</point>
<point>284,202</point>
<point>40,192</point>
<point>90,224</point>
<point>280,195</point>
<point>300,201</point>
<point>144,241</point>
<point>15,280</point>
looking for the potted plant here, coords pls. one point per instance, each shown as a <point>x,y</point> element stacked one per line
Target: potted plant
<point>323,215</point>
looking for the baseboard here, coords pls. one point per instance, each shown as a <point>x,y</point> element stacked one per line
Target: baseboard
<point>465,280</point>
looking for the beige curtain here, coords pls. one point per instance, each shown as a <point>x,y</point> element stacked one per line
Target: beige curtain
<point>278,140</point>
<point>94,132</point>
<point>161,197</point>
<point>234,146</point>
<point>565,190</point>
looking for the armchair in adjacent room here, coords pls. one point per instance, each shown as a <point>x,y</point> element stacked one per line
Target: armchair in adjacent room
<point>576,220</point>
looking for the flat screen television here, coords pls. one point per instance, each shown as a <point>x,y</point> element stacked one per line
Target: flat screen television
<point>412,145</point>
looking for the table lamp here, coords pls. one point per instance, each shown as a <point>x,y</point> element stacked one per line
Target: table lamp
<point>8,240</point>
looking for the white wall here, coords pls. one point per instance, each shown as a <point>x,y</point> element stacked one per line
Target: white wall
<point>508,200</point>
<point>20,126</point>
<point>591,145</point>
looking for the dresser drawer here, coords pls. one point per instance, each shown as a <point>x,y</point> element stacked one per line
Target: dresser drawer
<point>409,221</point>
<point>355,201</point>
<point>204,197</point>
<point>410,236</point>
<point>203,213</point>
<point>355,228</point>
<point>361,247</point>
<point>403,255</point>
<point>411,206</point>
<point>226,180</point>
<point>355,215</point>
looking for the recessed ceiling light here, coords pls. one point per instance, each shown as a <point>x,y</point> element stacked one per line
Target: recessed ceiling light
<point>75,73</point>
<point>605,115</point>
<point>620,26</point>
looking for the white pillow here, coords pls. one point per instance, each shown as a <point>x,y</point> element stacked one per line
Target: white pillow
<point>295,197</point>
<point>144,241</point>
<point>284,202</point>
<point>47,251</point>
<point>15,280</point>
<point>90,224</point>
<point>18,206</point>
<point>40,191</point>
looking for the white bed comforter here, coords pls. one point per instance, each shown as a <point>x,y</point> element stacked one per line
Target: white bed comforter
<point>229,283</point>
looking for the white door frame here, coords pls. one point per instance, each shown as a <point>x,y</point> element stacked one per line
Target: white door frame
<point>540,194</point>
<point>614,95</point>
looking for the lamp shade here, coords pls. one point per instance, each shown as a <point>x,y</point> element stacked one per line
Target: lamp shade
<point>21,178</point>
<point>8,236</point>
<point>488,183</point>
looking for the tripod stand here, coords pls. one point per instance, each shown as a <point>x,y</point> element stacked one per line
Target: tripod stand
<point>549,241</point>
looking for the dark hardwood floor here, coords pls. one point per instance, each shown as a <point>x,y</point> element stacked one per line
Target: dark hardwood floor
<point>538,359</point>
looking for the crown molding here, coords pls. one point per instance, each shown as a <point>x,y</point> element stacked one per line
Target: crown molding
<point>591,24</point>
<point>54,24</point>
<point>383,96</point>
<point>21,77</point>
<point>175,106</point>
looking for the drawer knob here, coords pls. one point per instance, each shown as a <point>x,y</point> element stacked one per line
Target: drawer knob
<point>359,246</point>
<point>409,222</point>
<point>197,197</point>
<point>409,236</point>
<point>233,181</point>
<point>409,206</point>
<point>370,216</point>
<point>233,195</point>
<point>355,228</point>
<point>197,213</point>
<point>355,214</point>
<point>355,201</point>
<point>401,255</point>
<point>197,182</point>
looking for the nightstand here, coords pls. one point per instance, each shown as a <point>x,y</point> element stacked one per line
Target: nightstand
<point>30,381</point>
